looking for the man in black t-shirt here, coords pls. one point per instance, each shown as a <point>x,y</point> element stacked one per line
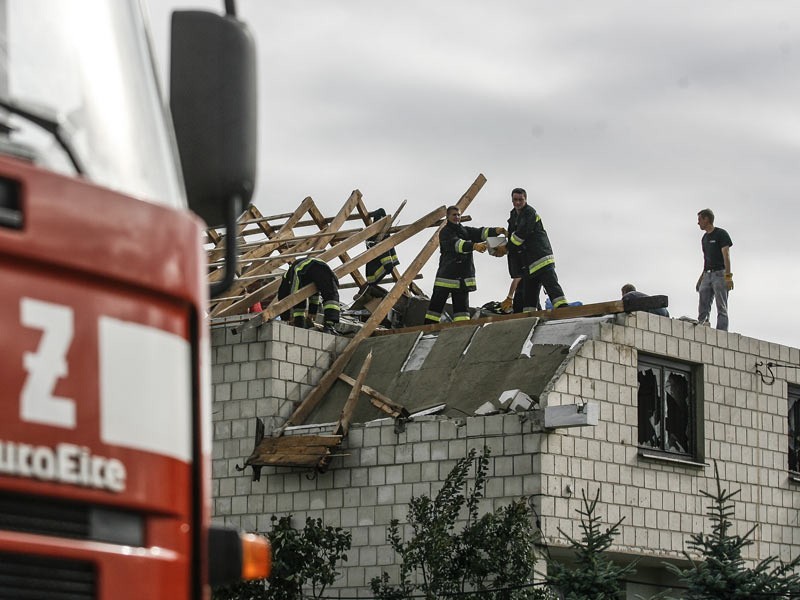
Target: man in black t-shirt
<point>716,280</point>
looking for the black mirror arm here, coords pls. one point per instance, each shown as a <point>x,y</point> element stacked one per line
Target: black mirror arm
<point>234,205</point>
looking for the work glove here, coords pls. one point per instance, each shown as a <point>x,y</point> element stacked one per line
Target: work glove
<point>502,231</point>
<point>729,281</point>
<point>507,305</point>
<point>480,246</point>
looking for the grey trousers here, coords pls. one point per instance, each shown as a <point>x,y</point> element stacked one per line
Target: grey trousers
<point>713,287</point>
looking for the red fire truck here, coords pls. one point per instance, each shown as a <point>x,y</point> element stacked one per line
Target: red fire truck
<point>104,357</point>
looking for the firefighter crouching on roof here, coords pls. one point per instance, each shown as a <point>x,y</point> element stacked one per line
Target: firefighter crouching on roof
<point>382,265</point>
<point>301,273</point>
<point>456,274</point>
<point>529,241</point>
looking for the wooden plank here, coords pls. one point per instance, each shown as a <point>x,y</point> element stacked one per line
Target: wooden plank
<point>343,426</point>
<point>284,233</point>
<point>565,312</point>
<point>340,217</point>
<point>378,400</point>
<point>226,308</point>
<point>270,444</point>
<point>310,222</point>
<point>315,450</point>
<point>310,461</point>
<point>315,396</point>
<point>279,306</point>
<point>271,288</point>
<point>395,273</point>
<point>218,251</point>
<point>352,202</point>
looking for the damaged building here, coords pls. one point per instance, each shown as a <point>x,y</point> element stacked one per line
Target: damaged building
<point>584,399</point>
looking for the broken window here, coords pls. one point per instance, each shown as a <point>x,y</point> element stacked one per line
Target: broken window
<point>666,407</point>
<point>794,428</point>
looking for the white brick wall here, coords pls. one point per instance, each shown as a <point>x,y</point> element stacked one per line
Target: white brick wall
<point>269,371</point>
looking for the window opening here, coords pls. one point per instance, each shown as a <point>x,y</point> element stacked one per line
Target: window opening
<point>794,428</point>
<point>666,407</point>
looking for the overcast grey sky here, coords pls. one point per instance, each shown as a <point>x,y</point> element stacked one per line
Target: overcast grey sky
<point>622,119</point>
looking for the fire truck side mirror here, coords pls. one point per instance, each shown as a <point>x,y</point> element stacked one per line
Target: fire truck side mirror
<point>214,111</point>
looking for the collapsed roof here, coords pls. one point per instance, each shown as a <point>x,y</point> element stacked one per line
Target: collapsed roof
<point>463,367</point>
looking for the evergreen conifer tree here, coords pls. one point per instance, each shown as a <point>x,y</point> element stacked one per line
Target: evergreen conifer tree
<point>722,574</point>
<point>593,576</point>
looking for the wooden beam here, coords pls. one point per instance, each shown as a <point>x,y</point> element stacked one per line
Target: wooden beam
<point>279,306</point>
<point>225,308</point>
<point>352,202</point>
<point>311,461</point>
<point>271,288</point>
<point>342,427</point>
<point>565,312</point>
<point>283,235</point>
<point>378,400</point>
<point>218,251</point>
<point>315,396</point>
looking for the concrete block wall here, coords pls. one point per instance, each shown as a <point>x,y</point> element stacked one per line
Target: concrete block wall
<point>265,373</point>
<point>271,369</point>
<point>745,422</point>
<point>380,470</point>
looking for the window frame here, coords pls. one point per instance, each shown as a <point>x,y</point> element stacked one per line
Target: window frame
<point>694,373</point>
<point>793,394</point>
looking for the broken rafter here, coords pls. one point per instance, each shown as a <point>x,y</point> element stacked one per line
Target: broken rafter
<point>378,400</point>
<point>352,202</point>
<point>315,396</point>
<point>283,234</point>
<point>271,288</point>
<point>342,427</point>
<point>279,306</point>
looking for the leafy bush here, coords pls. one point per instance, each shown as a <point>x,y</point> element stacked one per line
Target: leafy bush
<point>491,555</point>
<point>305,558</point>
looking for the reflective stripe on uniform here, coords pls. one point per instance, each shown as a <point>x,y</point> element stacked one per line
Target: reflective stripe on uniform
<point>516,240</point>
<point>471,282</point>
<point>332,305</point>
<point>432,316</point>
<point>485,233</point>
<point>378,274</point>
<point>447,283</point>
<point>560,301</point>
<point>461,317</point>
<point>541,263</point>
<point>297,270</point>
<point>460,246</point>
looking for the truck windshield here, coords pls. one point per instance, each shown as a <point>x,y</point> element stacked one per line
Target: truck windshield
<point>80,78</point>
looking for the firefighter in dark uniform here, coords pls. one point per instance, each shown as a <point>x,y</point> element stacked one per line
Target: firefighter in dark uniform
<point>456,274</point>
<point>381,265</point>
<point>301,273</point>
<point>529,243</point>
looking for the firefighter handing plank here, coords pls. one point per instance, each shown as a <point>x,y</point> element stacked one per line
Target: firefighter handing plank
<point>456,274</point>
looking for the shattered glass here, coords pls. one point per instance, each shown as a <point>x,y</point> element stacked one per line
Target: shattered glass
<point>794,431</point>
<point>665,409</point>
